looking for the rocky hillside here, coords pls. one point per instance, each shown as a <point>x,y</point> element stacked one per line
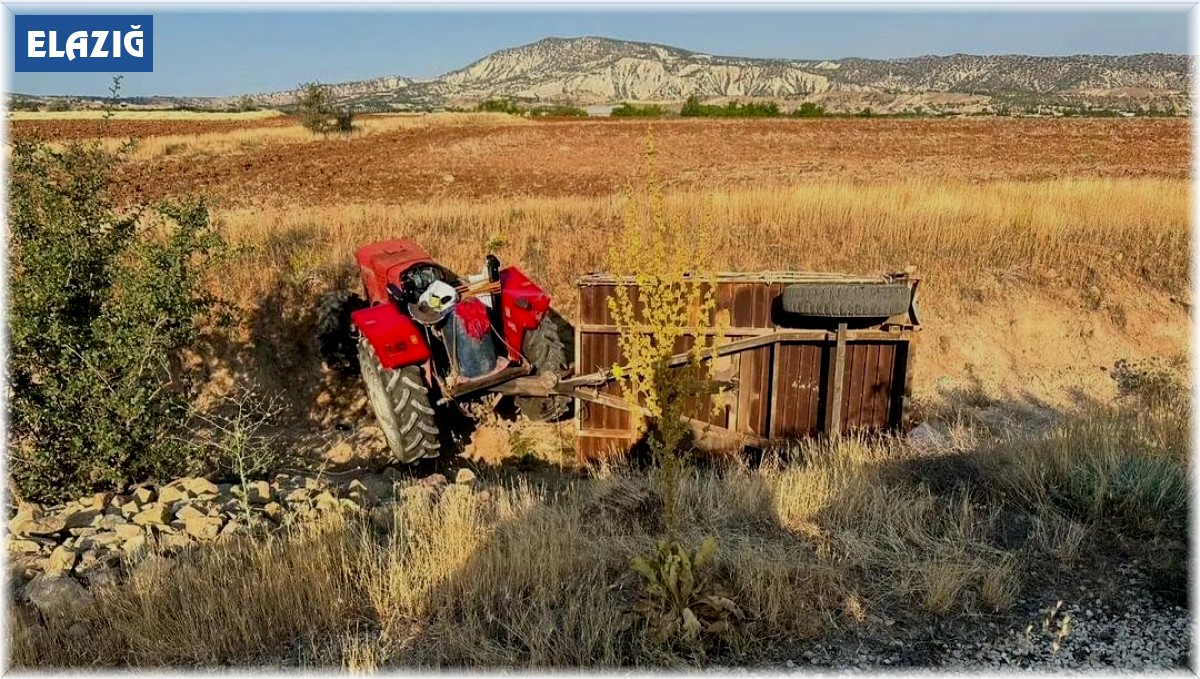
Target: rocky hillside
<point>594,71</point>
<point>358,89</point>
<point>590,70</point>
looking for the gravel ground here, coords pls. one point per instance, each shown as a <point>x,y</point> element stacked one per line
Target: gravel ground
<point>1140,638</point>
<point>1122,628</point>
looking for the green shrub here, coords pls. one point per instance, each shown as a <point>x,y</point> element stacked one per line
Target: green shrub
<point>558,110</point>
<point>500,106</point>
<point>627,110</point>
<point>24,105</point>
<point>693,108</point>
<point>102,302</point>
<point>513,108</point>
<point>1124,467</point>
<point>809,110</point>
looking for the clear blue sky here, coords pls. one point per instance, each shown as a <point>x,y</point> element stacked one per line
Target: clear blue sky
<point>227,52</point>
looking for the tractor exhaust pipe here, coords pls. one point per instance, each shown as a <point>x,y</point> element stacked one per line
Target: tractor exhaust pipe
<point>496,314</point>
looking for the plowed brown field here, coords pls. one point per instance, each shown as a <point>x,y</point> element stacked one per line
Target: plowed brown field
<point>594,157</point>
<point>91,128</point>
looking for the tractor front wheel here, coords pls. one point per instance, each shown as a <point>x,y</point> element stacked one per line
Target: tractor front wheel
<point>402,407</point>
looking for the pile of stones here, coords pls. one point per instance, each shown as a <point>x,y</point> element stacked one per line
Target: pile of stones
<point>55,551</point>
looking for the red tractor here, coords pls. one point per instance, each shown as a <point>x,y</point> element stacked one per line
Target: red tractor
<point>426,339</point>
<point>809,353</point>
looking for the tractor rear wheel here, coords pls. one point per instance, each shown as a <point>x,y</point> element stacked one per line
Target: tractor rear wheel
<point>335,337</point>
<point>402,407</point>
<point>546,351</point>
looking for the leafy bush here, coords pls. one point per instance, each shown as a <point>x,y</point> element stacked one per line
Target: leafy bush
<point>102,302</point>
<point>500,106</point>
<point>24,105</point>
<point>558,110</point>
<point>809,110</point>
<point>693,108</point>
<point>627,110</point>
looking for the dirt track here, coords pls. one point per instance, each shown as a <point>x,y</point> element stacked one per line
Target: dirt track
<point>594,158</point>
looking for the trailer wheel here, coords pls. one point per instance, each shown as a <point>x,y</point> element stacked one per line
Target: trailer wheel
<point>401,403</point>
<point>847,300</point>
<point>335,337</point>
<point>546,350</point>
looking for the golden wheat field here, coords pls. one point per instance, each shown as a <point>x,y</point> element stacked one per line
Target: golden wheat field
<point>1052,363</point>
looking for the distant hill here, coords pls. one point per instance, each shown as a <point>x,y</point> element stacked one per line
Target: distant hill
<point>594,71</point>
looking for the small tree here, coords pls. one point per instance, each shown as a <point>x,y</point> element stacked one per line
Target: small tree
<point>318,113</point>
<point>665,289</point>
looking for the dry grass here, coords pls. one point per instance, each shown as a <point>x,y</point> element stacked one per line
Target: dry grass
<point>159,136</point>
<point>249,138</point>
<point>969,240</point>
<point>833,541</point>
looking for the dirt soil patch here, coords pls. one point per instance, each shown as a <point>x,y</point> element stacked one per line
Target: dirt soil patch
<point>66,129</point>
<point>597,158</point>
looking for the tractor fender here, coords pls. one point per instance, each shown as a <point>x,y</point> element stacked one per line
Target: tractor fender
<point>395,337</point>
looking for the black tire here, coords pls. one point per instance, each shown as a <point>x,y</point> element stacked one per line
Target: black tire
<point>546,349</point>
<point>846,300</point>
<point>402,406</point>
<point>335,336</point>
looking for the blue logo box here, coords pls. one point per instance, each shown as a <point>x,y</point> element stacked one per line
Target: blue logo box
<point>84,43</point>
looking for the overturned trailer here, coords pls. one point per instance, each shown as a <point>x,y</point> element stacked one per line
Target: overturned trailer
<point>804,354</point>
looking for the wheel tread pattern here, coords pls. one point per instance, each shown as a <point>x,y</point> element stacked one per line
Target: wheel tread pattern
<point>401,404</point>
<point>335,336</point>
<point>545,350</point>
<point>847,300</point>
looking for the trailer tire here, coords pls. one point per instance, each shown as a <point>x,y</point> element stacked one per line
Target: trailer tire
<point>402,406</point>
<point>545,349</point>
<point>335,336</point>
<point>847,300</point>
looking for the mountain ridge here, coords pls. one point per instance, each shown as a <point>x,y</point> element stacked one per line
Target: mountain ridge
<point>597,71</point>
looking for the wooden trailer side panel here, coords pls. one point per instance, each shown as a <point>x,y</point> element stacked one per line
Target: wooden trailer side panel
<point>783,389</point>
<point>799,380</point>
